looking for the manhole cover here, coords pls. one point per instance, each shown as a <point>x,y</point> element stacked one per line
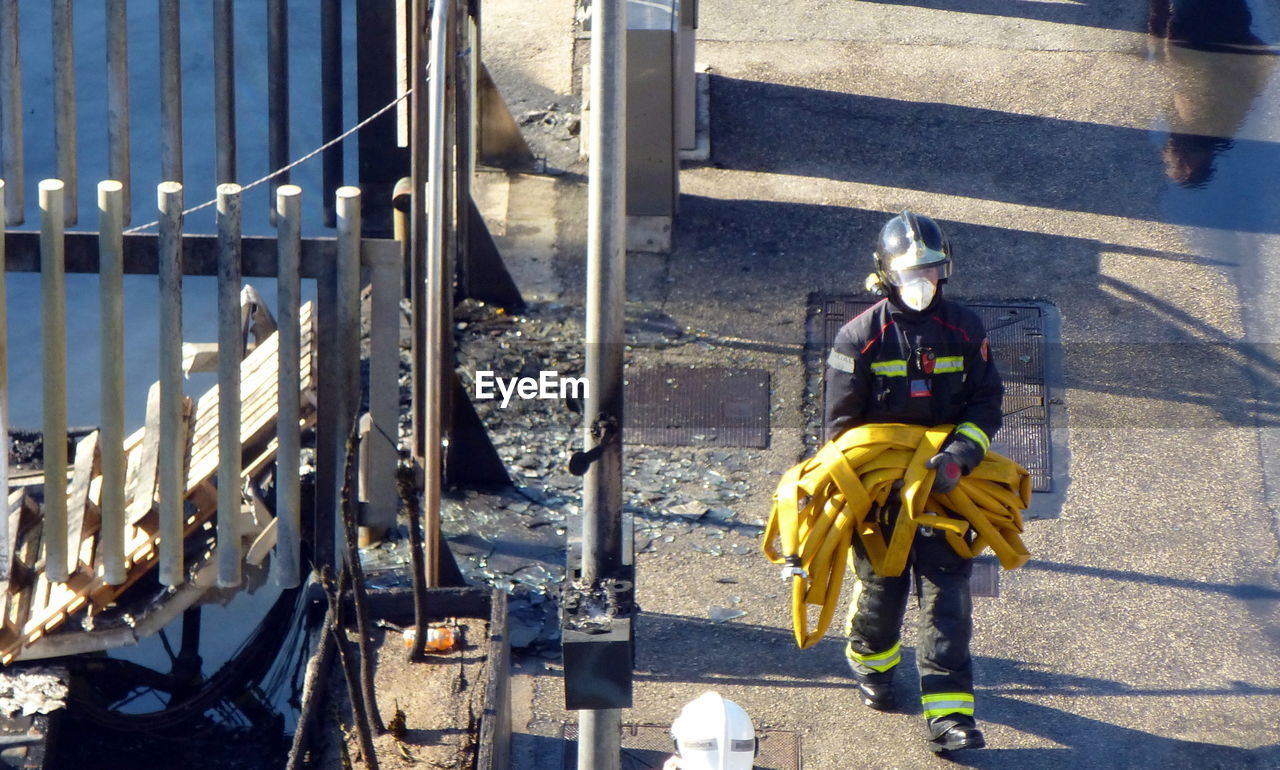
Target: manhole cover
<point>1017,343</point>
<point>697,406</point>
<point>646,747</point>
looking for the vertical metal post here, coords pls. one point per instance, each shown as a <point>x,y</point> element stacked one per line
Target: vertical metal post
<point>118,100</point>
<point>277,94</point>
<point>387,267</point>
<point>439,286</point>
<point>404,78</point>
<point>64,120</point>
<point>11,165</point>
<point>288,434</point>
<point>331,101</point>
<point>606,286</point>
<point>599,745</point>
<point>170,472</point>
<point>418,151</point>
<point>224,89</point>
<point>348,301</point>
<point>170,91</point>
<point>5,556</point>
<point>54,333</point>
<point>230,345</point>
<point>111,219</point>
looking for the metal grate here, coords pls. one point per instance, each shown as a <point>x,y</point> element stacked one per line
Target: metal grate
<point>698,406</point>
<point>1018,347</point>
<point>646,747</point>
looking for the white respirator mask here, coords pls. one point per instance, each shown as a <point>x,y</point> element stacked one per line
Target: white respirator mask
<point>917,293</point>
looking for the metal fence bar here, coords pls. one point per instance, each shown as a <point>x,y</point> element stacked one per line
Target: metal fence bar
<point>11,165</point>
<point>171,90</point>
<point>287,566</point>
<point>230,352</point>
<point>111,217</point>
<point>348,299</point>
<point>118,100</point>
<point>438,285</point>
<point>224,89</point>
<point>277,94</point>
<point>5,556</point>
<point>170,481</point>
<point>331,101</point>
<point>54,334</point>
<point>386,268</point>
<point>64,122</point>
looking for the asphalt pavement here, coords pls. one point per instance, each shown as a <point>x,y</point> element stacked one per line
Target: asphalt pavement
<point>1075,160</point>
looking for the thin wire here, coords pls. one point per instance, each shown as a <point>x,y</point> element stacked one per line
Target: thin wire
<point>385,109</point>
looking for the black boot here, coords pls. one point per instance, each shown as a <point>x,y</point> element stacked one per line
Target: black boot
<point>954,732</point>
<point>876,690</point>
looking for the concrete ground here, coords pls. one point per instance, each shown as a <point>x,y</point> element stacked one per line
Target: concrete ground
<point>1145,632</point>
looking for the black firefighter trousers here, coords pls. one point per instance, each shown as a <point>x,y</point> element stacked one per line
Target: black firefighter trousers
<point>946,623</point>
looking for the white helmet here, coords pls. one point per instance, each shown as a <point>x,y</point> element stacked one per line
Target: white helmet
<point>712,733</point>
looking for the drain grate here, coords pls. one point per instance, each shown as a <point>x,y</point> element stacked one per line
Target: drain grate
<point>646,747</point>
<point>698,406</point>
<point>1018,346</point>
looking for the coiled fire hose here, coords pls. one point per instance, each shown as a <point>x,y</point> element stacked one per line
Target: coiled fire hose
<point>821,503</point>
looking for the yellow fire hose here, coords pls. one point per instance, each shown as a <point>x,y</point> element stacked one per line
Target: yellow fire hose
<point>822,502</point>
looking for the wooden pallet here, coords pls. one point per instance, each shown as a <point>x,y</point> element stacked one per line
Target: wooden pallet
<point>32,606</point>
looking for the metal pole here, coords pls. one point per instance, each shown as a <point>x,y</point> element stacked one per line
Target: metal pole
<point>6,558</point>
<point>347,320</point>
<point>439,287</point>
<point>348,301</point>
<point>387,270</point>
<point>64,121</point>
<point>606,287</point>
<point>278,93</point>
<point>224,89</point>
<point>11,165</point>
<point>118,100</point>
<point>170,91</point>
<point>288,434</point>
<point>111,218</point>
<point>170,481</point>
<point>600,739</point>
<point>230,344</point>
<point>54,332</point>
<point>599,745</point>
<point>418,224</point>
<point>331,101</point>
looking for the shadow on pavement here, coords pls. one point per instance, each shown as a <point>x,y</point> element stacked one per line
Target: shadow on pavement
<point>978,153</point>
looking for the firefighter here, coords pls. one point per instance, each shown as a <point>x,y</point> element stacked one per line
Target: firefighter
<point>915,357</point>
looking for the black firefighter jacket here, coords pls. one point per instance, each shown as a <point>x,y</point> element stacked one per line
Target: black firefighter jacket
<point>891,365</point>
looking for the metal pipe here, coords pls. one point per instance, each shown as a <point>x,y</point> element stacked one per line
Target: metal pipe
<point>171,90</point>
<point>224,89</point>
<point>64,119</point>
<point>277,94</point>
<point>230,345</point>
<point>606,287</point>
<point>387,268</point>
<point>439,288</point>
<point>331,101</point>
<point>118,101</point>
<point>170,482</point>
<point>288,434</point>
<point>11,163</point>
<point>54,332</point>
<point>600,739</point>
<point>111,221</point>
<point>4,391</point>
<point>404,57</point>
<point>600,731</point>
<point>348,300</point>
<point>418,225</point>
